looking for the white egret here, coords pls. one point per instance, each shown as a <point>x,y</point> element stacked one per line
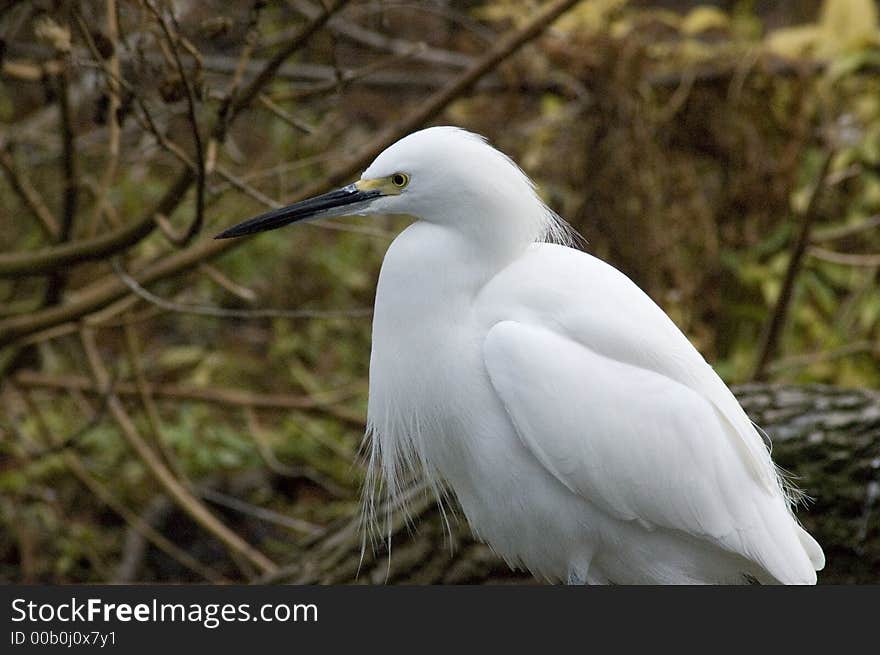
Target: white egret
<point>583,435</point>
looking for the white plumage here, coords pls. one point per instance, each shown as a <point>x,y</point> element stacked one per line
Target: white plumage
<point>583,435</point>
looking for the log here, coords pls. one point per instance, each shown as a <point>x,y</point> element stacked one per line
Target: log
<point>828,438</point>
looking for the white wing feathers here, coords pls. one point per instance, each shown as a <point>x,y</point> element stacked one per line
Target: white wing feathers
<point>617,404</point>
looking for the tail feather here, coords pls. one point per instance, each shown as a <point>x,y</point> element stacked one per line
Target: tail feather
<point>814,550</point>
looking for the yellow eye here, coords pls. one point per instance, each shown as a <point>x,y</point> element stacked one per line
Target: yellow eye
<point>400,180</point>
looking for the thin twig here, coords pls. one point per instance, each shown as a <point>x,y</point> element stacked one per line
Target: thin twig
<point>264,449</point>
<point>57,280</point>
<point>845,258</point>
<point>154,421</point>
<point>112,116</point>
<point>29,195</point>
<point>68,158</point>
<point>223,312</point>
<point>775,325</point>
<point>459,18</point>
<point>104,318</point>
<point>379,41</point>
<point>284,115</point>
<point>844,231</point>
<point>247,95</point>
<point>224,397</point>
<point>58,445</point>
<point>220,279</point>
<point>239,505</point>
<point>196,224</point>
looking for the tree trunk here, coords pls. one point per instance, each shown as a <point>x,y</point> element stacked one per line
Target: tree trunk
<point>828,438</point>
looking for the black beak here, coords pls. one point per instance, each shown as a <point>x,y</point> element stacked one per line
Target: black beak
<point>328,204</point>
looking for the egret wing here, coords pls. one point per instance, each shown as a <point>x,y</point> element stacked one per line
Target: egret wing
<point>597,306</point>
<point>639,445</point>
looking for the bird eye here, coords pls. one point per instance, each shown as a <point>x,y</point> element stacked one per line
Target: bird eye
<point>400,180</point>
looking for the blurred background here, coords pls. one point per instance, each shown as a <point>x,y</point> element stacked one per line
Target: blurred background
<point>178,409</point>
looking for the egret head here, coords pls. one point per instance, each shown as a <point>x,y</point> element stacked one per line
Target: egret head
<point>442,175</point>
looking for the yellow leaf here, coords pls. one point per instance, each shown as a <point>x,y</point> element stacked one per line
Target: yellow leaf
<point>704,19</point>
<point>849,22</point>
<point>847,25</point>
<point>844,26</point>
<point>793,42</point>
<point>590,16</point>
